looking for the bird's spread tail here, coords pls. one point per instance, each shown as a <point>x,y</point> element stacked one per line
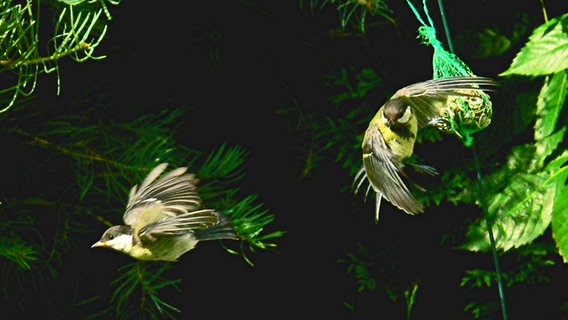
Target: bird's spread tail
<point>222,230</point>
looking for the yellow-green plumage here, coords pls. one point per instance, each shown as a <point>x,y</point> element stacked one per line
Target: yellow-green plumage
<point>389,139</point>
<point>164,219</point>
<point>402,146</point>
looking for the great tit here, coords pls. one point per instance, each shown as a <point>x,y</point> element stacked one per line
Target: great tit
<point>163,219</point>
<point>389,139</point>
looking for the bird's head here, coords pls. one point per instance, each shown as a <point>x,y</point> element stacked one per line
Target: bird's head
<point>396,112</point>
<point>119,238</point>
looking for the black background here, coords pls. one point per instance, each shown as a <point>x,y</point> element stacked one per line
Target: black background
<point>271,55</point>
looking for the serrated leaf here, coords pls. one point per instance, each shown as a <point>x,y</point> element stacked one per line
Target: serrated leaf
<point>546,52</point>
<point>521,213</point>
<point>546,146</point>
<point>560,213</point>
<point>550,101</point>
<point>525,208</point>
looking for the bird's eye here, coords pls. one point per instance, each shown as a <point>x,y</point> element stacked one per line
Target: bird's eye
<point>110,236</point>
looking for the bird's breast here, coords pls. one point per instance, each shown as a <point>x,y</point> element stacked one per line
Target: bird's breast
<point>400,139</point>
<point>402,148</point>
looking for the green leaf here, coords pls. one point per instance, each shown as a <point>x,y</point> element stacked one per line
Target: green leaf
<point>520,213</point>
<point>546,147</point>
<point>522,194</point>
<point>525,207</point>
<point>546,52</point>
<point>560,211</point>
<point>550,101</point>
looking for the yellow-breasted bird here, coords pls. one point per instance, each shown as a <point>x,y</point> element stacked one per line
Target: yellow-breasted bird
<point>391,134</point>
<point>164,219</point>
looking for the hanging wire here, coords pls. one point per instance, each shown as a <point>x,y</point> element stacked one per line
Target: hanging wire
<point>446,26</point>
<point>482,199</point>
<point>488,221</point>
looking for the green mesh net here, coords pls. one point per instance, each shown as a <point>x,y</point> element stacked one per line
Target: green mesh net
<point>463,115</point>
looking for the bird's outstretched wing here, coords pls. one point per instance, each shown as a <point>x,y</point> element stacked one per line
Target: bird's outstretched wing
<point>429,97</point>
<point>171,195</point>
<point>384,172</point>
<point>205,224</point>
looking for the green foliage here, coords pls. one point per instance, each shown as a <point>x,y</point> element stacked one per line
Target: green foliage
<point>482,310</point>
<point>74,167</point>
<point>546,51</point>
<point>360,264</point>
<point>330,136</point>
<point>356,11</point>
<point>111,151</point>
<point>105,158</point>
<point>250,221</point>
<point>409,296</point>
<point>103,161</point>
<point>379,272</point>
<point>527,195</point>
<point>136,291</point>
<point>523,193</point>
<point>17,251</point>
<point>38,227</point>
<point>530,265</point>
<point>531,262</point>
<point>12,247</point>
<point>76,33</point>
<point>560,222</point>
<point>494,41</point>
<point>221,170</point>
<point>224,162</point>
<point>352,111</point>
<point>364,81</point>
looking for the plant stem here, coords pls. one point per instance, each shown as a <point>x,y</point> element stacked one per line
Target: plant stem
<point>490,232</point>
<point>482,199</point>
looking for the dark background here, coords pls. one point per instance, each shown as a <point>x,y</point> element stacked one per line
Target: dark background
<point>271,55</point>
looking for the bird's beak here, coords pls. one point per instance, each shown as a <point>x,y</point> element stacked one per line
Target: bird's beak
<point>99,244</point>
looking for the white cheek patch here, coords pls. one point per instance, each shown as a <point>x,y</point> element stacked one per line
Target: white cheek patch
<point>121,243</point>
<point>383,118</point>
<point>406,116</point>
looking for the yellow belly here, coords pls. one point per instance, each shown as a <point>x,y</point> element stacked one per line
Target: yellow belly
<point>164,249</point>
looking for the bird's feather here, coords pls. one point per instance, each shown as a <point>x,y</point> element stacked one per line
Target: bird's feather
<point>155,199</point>
<point>383,173</point>
<point>189,222</point>
<point>391,134</point>
<point>427,98</point>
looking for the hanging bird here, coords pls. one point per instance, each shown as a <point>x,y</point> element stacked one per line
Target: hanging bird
<point>390,136</point>
<point>163,219</point>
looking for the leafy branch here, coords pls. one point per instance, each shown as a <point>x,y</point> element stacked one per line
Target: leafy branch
<point>77,32</point>
<point>102,161</point>
<point>356,10</point>
<point>527,193</point>
<point>137,289</point>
